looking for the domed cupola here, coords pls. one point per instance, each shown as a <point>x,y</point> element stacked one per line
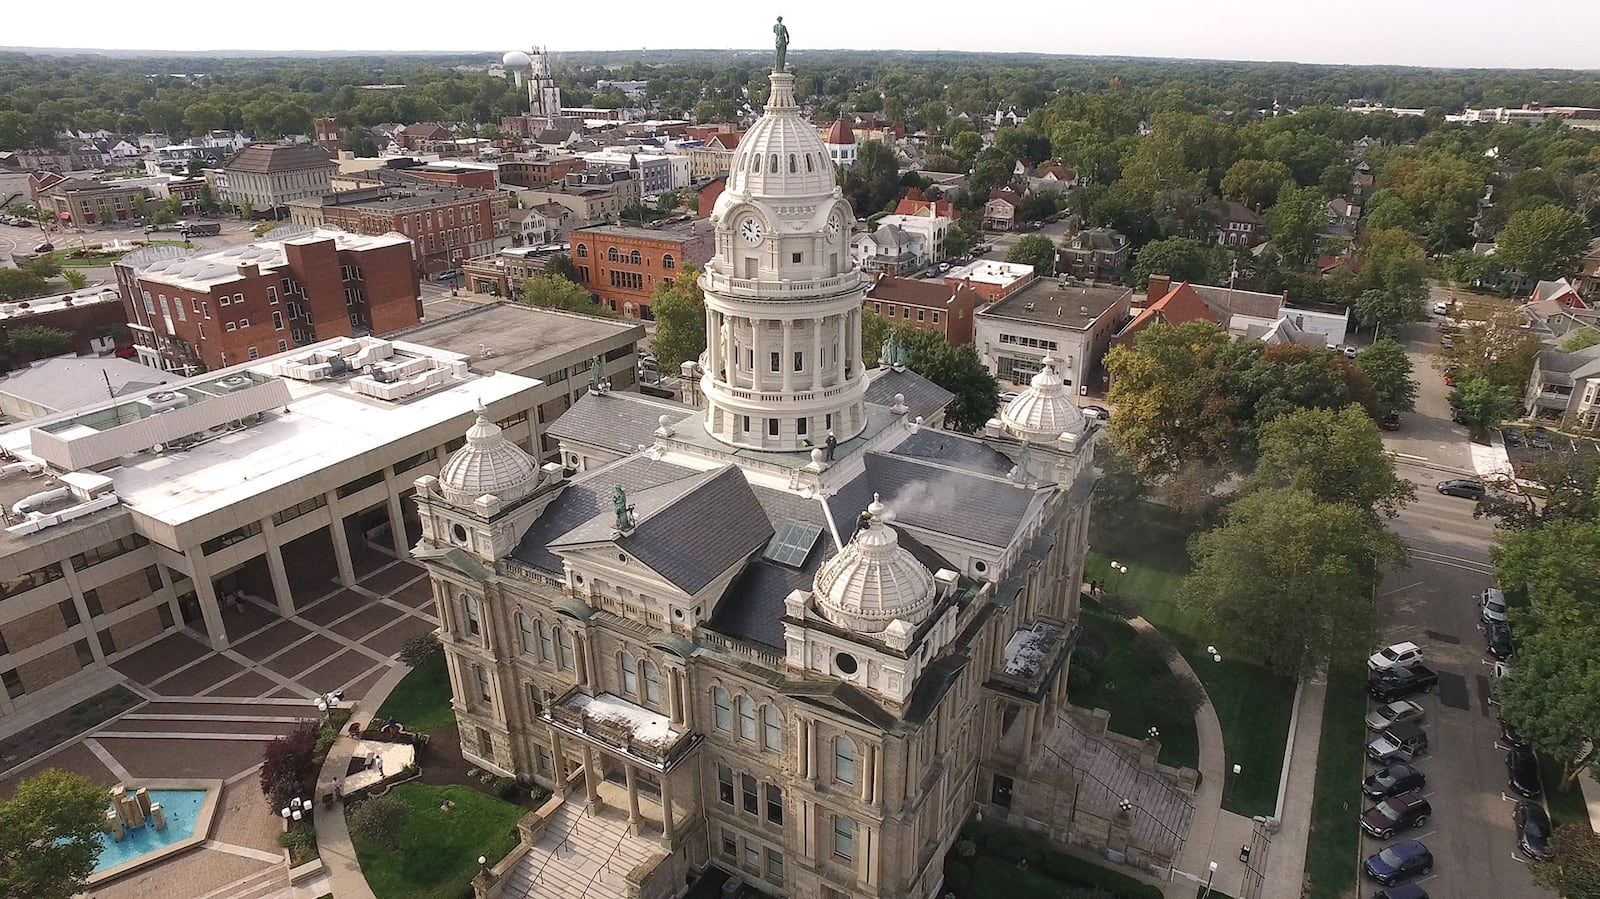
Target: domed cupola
<point>488,464</point>
<point>1045,410</point>
<point>873,580</point>
<point>782,154</point>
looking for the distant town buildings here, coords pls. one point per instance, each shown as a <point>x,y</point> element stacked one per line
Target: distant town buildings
<point>925,305</point>
<point>446,227</point>
<point>269,176</point>
<point>1070,323</point>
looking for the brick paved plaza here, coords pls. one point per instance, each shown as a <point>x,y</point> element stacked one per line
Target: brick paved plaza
<point>209,714</point>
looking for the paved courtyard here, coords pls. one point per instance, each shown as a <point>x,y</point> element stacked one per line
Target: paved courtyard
<point>209,714</point>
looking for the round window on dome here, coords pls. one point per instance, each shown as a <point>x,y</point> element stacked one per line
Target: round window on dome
<point>459,533</point>
<point>845,663</point>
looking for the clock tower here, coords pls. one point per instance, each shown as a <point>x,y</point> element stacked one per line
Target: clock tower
<point>782,368</point>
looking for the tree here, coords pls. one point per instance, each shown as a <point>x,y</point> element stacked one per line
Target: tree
<point>1385,310</point>
<point>208,200</point>
<point>1574,872</point>
<point>288,768</point>
<point>1336,456</point>
<point>1389,369</point>
<point>1174,399</point>
<point>957,369</point>
<point>20,284</point>
<point>1498,350</point>
<point>1255,182</point>
<point>380,820</point>
<point>1181,259</point>
<point>1552,693</point>
<point>1482,405</point>
<point>679,307</point>
<point>553,292</point>
<point>1288,579</point>
<point>247,209</point>
<point>1294,222</point>
<point>422,650</point>
<point>1569,486</point>
<point>562,266</point>
<point>50,835</point>
<point>667,203</point>
<point>74,278</point>
<point>38,342</point>
<point>966,145</point>
<point>1037,250</point>
<point>1581,339</point>
<point>1387,209</point>
<point>873,182</point>
<point>875,330</point>
<point>1543,243</point>
<point>358,141</point>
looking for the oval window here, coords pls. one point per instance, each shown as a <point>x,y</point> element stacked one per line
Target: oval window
<point>845,663</point>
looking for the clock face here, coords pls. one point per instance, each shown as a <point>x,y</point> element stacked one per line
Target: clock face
<point>750,231</point>
<point>833,225</point>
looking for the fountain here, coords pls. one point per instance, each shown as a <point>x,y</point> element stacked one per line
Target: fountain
<point>144,821</point>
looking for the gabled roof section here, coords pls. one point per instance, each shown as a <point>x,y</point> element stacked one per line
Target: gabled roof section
<point>621,422</point>
<point>1180,304</point>
<point>981,508</point>
<point>923,397</point>
<point>266,159</point>
<point>586,498</point>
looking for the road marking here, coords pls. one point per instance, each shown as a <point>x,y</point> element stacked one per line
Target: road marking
<point>1518,858</point>
<point>1401,589</point>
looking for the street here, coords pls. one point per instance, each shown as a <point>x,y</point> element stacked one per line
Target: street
<point>1432,603</point>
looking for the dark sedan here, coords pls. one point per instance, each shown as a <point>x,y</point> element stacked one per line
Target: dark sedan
<point>1510,736</point>
<point>1394,780</point>
<point>1498,635</point>
<point>1402,861</point>
<point>1405,891</point>
<point>1466,488</point>
<point>1533,831</point>
<point>1522,773</point>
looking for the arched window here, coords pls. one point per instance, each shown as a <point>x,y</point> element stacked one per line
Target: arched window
<point>547,646</point>
<point>565,658</point>
<point>844,760</point>
<point>755,162</point>
<point>525,631</point>
<point>630,676</point>
<point>747,718</point>
<point>612,255</point>
<point>583,251</point>
<point>771,728</point>
<point>809,167</point>
<point>652,681</point>
<point>724,711</point>
<point>667,262</point>
<point>794,164</point>
<point>772,163</point>
<point>634,257</point>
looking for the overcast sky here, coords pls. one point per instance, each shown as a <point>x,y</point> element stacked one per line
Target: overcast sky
<point>1495,33</point>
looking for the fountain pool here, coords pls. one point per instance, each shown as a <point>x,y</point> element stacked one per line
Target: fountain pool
<point>183,811</point>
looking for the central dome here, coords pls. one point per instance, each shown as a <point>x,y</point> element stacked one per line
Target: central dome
<point>488,464</point>
<point>873,580</point>
<point>1045,410</point>
<point>781,155</point>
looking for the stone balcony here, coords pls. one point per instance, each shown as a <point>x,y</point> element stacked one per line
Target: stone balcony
<point>756,288</point>
<point>646,736</point>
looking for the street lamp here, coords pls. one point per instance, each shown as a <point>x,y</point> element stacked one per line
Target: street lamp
<point>1119,570</point>
<point>1212,652</point>
<point>1211,875</point>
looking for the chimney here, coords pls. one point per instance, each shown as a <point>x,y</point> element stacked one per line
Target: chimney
<point>1159,285</point>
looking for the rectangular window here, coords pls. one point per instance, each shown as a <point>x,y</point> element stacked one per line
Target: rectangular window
<point>844,837</point>
<point>796,257</point>
<point>164,615</point>
<point>224,301</point>
<point>482,677</point>
<point>107,551</point>
<point>360,484</point>
<point>801,425</point>
<point>747,790</point>
<point>776,364</point>
<point>774,803</point>
<point>272,296</point>
<point>921,314</point>
<point>244,323</point>
<point>752,855</point>
<point>772,427</point>
<point>69,613</point>
<point>223,541</point>
<point>936,316</point>
<point>91,601</point>
<point>474,623</point>
<point>799,360</point>
<point>254,353</point>
<point>564,646</point>
<point>730,845</point>
<point>745,423</point>
<point>775,866</point>
<point>277,324</point>
<point>725,785</point>
<point>205,309</point>
<point>232,327</point>
<point>152,577</point>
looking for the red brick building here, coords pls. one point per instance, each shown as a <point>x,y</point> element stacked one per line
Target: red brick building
<point>925,305</point>
<point>447,227</point>
<point>706,196</point>
<point>92,316</point>
<point>209,311</point>
<point>538,171</point>
<point>621,266</point>
<point>454,176</point>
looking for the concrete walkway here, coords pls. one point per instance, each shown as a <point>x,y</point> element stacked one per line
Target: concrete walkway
<point>345,879</point>
<point>1591,797</point>
<point>1286,864</point>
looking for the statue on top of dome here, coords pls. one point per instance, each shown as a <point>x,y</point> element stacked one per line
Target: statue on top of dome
<point>782,40</point>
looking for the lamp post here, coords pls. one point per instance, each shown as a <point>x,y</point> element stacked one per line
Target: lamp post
<point>1237,770</point>
<point>1214,654</point>
<point>1118,569</point>
<point>1211,874</point>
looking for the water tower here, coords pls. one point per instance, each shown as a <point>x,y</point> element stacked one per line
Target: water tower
<point>518,62</point>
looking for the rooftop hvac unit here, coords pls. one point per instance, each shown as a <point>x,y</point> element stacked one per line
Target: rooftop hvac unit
<point>234,382</point>
<point>163,400</point>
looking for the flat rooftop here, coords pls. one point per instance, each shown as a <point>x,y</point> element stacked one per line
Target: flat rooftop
<point>89,296</point>
<point>70,382</point>
<point>511,337</point>
<point>674,231</point>
<point>201,271</point>
<point>323,424</point>
<point>985,271</point>
<point>1050,303</point>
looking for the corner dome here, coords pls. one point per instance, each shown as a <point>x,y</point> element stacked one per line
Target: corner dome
<point>781,155</point>
<point>488,464</point>
<point>1045,410</point>
<point>873,581</point>
<point>840,134</point>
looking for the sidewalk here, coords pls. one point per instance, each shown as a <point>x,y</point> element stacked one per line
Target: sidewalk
<point>1286,863</point>
<point>345,879</point>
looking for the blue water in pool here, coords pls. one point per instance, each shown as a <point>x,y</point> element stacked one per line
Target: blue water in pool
<point>182,808</point>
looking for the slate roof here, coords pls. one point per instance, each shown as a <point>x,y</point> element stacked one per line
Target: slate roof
<point>586,498</point>
<point>752,607</point>
<point>263,159</point>
<point>955,449</point>
<point>621,422</point>
<point>923,397</point>
<point>981,508</point>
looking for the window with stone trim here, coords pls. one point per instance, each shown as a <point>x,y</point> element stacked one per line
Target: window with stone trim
<point>844,837</point>
<point>525,632</point>
<point>725,785</point>
<point>747,718</point>
<point>771,728</point>
<point>547,648</point>
<point>630,675</point>
<point>722,717</point>
<point>844,760</point>
<point>474,622</point>
<point>565,657</point>
<point>652,682</point>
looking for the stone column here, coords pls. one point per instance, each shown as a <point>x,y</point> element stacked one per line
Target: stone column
<point>816,354</point>
<point>714,344</point>
<point>855,340</point>
<point>397,518</point>
<point>206,593</point>
<point>633,798</point>
<point>558,762</point>
<point>786,362</point>
<point>839,346</point>
<point>591,778</point>
<point>801,744</point>
<point>867,759</point>
<point>674,699</point>
<point>811,750</point>
<point>759,364</point>
<point>341,544</point>
<point>275,567</point>
<point>668,825</point>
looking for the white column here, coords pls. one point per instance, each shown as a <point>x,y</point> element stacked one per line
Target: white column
<point>341,545</point>
<point>206,593</point>
<point>397,518</point>
<point>816,354</point>
<point>275,568</point>
<point>800,740</point>
<point>786,362</point>
<point>867,759</point>
<point>668,825</point>
<point>758,361</point>
<point>855,340</point>
<point>839,348</point>
<point>633,798</point>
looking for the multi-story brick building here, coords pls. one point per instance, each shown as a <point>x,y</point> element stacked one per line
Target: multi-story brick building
<point>92,316</point>
<point>447,227</point>
<point>326,133</point>
<point>925,305</point>
<point>591,197</point>
<point>622,265</point>
<point>194,313</point>
<point>269,176</point>
<point>83,203</point>
<point>538,170</point>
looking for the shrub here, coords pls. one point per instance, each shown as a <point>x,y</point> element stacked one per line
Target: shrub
<point>1157,644</point>
<point>379,820</point>
<point>421,650</point>
<point>301,842</point>
<point>326,737</point>
<point>288,766</point>
<point>507,789</point>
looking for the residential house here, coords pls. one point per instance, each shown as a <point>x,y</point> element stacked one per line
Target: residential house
<point>1554,321</point>
<point>925,305</point>
<point>1238,225</point>
<point>1097,254</point>
<point>1072,324</point>
<point>1000,210</point>
<point>891,250</point>
<point>1588,279</point>
<point>1565,387</point>
<point>423,136</point>
<point>1171,304</point>
<point>932,228</point>
<point>1558,291</point>
<point>1053,177</point>
<point>916,203</point>
<point>529,227</point>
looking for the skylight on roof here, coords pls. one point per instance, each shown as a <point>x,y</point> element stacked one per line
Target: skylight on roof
<point>792,543</point>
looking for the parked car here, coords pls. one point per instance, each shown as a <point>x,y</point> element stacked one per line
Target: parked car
<point>1522,772</point>
<point>1398,712</point>
<point>1008,396</point>
<point>1403,891</point>
<point>1398,683</point>
<point>1538,438</point>
<point>1395,814</point>
<point>1099,412</point>
<point>1533,830</point>
<point>1441,308</point>
<point>1497,634</point>
<point>1390,422</point>
<point>1492,605</point>
<point>1512,436</point>
<point>1399,743</point>
<point>1393,656</point>
<point>1394,780</point>
<point>1349,351</point>
<point>1402,861</point>
<point>46,247</point>
<point>1466,488</point>
<point>1510,736</point>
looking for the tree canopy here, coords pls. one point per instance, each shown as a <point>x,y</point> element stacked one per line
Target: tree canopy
<point>957,369</point>
<point>1543,243</point>
<point>1335,455</point>
<point>1036,250</point>
<point>679,307</point>
<point>556,292</point>
<point>50,835</point>
<point>1388,368</point>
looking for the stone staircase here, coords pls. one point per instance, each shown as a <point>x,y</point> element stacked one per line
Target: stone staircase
<point>1107,776</point>
<point>270,883</point>
<point>580,855</point>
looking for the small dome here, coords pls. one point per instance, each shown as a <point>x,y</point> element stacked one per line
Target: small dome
<point>782,154</point>
<point>488,464</point>
<point>1045,410</point>
<point>840,133</point>
<point>516,59</point>
<point>873,581</point>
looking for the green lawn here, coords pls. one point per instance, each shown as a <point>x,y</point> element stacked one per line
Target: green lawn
<point>438,852</point>
<point>421,701</point>
<point>993,872</point>
<point>1127,684</point>
<point>1335,843</point>
<point>1253,705</point>
<point>1566,806</point>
